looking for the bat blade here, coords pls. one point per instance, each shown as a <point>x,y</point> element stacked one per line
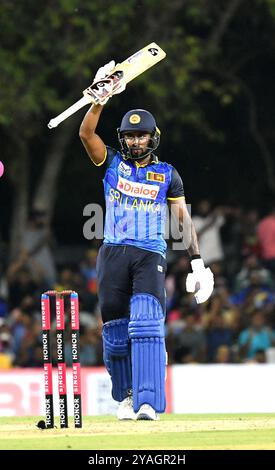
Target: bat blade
<point>131,68</point>
<point>141,61</point>
<point>127,70</point>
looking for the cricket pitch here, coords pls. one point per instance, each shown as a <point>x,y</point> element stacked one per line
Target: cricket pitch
<point>172,432</point>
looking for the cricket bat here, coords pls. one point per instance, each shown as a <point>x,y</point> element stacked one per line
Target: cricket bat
<point>129,69</point>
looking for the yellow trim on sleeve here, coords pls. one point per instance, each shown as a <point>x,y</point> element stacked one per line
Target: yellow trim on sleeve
<point>175,198</point>
<point>103,161</point>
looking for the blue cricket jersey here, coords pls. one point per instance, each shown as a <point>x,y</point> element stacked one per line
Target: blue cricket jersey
<point>136,201</point>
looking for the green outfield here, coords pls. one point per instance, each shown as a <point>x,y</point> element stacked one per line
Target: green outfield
<point>180,432</point>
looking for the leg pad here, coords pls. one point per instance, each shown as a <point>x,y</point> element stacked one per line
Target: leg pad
<point>146,331</point>
<point>117,356</point>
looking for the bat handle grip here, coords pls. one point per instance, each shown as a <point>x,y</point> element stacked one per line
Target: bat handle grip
<point>86,99</point>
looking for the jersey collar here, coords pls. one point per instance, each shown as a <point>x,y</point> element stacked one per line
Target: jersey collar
<point>154,159</point>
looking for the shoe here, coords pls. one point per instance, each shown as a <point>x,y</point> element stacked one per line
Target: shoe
<point>146,412</point>
<point>125,409</point>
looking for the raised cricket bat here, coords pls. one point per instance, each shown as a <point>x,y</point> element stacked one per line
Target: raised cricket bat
<point>135,65</point>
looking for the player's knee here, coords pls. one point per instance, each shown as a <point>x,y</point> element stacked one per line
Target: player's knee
<point>146,317</point>
<point>115,337</point>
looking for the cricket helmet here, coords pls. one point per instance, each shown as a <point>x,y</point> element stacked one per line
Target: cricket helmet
<point>138,120</point>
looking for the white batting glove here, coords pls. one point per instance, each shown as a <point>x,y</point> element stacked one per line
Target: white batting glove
<point>200,276</point>
<point>102,73</point>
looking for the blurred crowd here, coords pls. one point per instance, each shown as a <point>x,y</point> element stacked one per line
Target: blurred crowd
<point>236,325</point>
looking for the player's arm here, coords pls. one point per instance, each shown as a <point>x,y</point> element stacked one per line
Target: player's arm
<point>180,212</point>
<point>201,280</point>
<point>93,144</point>
<point>176,201</point>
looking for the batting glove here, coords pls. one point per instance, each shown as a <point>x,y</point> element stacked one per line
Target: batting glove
<point>104,72</point>
<point>200,280</point>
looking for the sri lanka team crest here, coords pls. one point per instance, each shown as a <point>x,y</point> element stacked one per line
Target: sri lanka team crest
<point>134,119</point>
<point>124,169</point>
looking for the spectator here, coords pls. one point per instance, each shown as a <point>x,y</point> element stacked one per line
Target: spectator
<point>189,341</point>
<point>6,351</point>
<point>20,284</point>
<point>266,234</point>
<point>88,270</point>
<point>207,224</point>
<point>251,264</point>
<point>250,242</point>
<point>65,279</point>
<point>217,334</point>
<point>258,336</point>
<point>231,241</point>
<point>223,354</point>
<point>37,248</point>
<point>260,356</point>
<point>257,295</point>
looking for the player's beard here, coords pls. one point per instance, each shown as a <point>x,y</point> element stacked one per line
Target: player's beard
<point>137,151</point>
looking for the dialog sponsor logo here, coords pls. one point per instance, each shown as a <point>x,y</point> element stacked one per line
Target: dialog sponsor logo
<point>130,188</point>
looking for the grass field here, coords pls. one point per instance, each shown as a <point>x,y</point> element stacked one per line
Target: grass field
<point>177,432</point>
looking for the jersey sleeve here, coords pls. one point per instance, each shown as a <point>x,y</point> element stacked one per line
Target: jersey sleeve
<point>108,158</point>
<point>175,190</point>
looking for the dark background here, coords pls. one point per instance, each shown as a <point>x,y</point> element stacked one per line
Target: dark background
<point>213,98</point>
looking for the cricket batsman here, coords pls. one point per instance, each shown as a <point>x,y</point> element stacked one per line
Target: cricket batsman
<point>131,263</point>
